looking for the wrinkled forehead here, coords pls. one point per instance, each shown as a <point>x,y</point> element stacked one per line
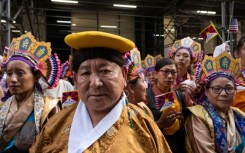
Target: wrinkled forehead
<point>98,63</point>
<point>17,64</point>
<point>23,60</point>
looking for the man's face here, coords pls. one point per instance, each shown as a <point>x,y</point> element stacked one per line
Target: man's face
<point>100,83</point>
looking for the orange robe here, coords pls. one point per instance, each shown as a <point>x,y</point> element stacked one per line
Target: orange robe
<point>239,100</point>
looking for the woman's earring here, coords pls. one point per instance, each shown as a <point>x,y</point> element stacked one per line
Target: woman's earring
<point>126,92</point>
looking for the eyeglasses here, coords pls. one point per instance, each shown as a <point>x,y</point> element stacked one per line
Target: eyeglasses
<point>228,89</point>
<point>166,73</point>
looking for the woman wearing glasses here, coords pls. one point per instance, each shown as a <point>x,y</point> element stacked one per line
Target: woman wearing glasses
<point>215,126</point>
<point>160,96</point>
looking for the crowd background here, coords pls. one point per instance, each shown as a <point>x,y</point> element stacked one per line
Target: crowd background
<point>140,83</point>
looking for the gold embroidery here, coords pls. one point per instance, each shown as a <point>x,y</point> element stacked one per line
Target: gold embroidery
<point>225,62</point>
<point>209,66</point>
<point>25,43</point>
<point>65,130</point>
<point>40,52</point>
<point>111,131</point>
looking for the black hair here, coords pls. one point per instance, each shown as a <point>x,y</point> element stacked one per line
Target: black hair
<point>35,72</point>
<point>163,62</point>
<point>240,44</point>
<point>84,54</point>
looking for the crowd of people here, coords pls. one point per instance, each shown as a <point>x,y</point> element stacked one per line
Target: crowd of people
<point>186,102</point>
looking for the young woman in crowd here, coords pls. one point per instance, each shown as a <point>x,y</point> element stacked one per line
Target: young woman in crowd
<point>184,53</point>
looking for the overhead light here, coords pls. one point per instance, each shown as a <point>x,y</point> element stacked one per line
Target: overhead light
<point>3,21</point>
<point>61,21</point>
<point>126,6</point>
<point>158,35</point>
<point>65,1</point>
<point>14,21</point>
<point>200,38</point>
<point>73,24</point>
<point>15,31</point>
<point>206,12</point>
<point>108,26</point>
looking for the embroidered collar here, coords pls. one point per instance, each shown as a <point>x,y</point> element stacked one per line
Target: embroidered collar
<point>81,140</point>
<point>38,110</point>
<point>220,132</point>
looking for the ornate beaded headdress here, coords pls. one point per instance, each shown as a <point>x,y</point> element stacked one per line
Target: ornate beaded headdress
<point>186,43</point>
<point>157,58</point>
<point>149,61</point>
<point>64,69</point>
<point>132,61</point>
<point>136,57</point>
<point>222,65</point>
<point>37,55</point>
<point>148,64</point>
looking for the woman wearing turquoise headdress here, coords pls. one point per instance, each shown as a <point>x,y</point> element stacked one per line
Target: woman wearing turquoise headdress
<point>215,126</point>
<point>25,110</point>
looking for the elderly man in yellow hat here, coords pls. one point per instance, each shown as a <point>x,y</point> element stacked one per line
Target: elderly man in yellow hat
<point>103,120</point>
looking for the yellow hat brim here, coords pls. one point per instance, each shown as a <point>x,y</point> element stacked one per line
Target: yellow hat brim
<point>94,39</point>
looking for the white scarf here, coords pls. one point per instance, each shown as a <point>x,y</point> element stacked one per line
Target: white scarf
<point>82,133</point>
